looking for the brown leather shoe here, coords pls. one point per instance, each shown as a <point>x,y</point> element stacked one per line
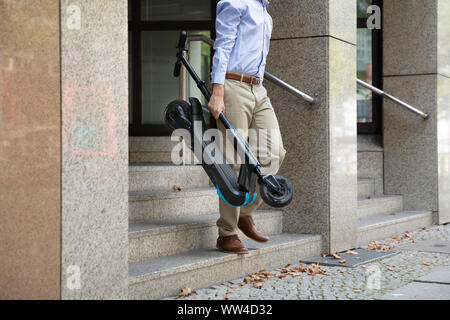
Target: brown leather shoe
<point>231,244</point>
<point>248,227</point>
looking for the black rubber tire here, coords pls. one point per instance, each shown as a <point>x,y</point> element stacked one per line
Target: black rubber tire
<point>276,200</point>
<point>173,105</point>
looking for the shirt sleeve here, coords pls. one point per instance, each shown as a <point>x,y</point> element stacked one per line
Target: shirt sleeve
<point>227,22</point>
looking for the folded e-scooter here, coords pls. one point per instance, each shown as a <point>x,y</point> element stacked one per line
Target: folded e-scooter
<point>236,190</point>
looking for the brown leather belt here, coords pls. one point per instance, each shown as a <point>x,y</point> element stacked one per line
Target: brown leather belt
<point>242,77</point>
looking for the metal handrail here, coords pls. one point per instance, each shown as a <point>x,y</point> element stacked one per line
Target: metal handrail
<point>289,88</point>
<point>390,97</point>
<point>268,76</point>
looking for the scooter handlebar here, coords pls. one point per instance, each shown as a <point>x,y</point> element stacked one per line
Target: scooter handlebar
<point>176,71</point>
<point>182,41</point>
<point>181,47</point>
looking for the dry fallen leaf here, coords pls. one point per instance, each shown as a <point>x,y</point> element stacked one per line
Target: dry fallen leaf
<point>343,261</point>
<point>257,285</point>
<point>233,287</point>
<point>356,291</point>
<point>363,266</point>
<point>375,245</point>
<point>176,188</point>
<point>336,256</point>
<point>352,252</point>
<point>426,263</point>
<point>391,269</point>
<point>287,266</point>
<point>185,292</point>
<point>315,269</point>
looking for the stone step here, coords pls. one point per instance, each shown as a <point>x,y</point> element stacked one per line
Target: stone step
<point>388,225</point>
<point>147,176</point>
<point>153,205</point>
<point>158,150</point>
<point>151,149</point>
<point>174,236</point>
<point>379,204</point>
<point>366,188</point>
<point>163,276</point>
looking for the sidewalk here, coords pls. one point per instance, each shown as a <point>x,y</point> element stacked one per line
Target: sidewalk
<point>421,270</point>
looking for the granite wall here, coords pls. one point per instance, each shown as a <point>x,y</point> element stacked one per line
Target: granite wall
<point>94,69</point>
<point>416,70</point>
<point>313,48</point>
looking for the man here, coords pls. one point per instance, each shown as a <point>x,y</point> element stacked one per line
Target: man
<point>242,42</point>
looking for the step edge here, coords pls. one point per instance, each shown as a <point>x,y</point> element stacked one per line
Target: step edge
<point>417,215</point>
<point>194,225</point>
<point>379,199</point>
<point>159,167</point>
<point>146,195</point>
<point>218,260</point>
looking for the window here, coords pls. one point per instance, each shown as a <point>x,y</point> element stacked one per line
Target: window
<point>154,28</point>
<point>369,69</point>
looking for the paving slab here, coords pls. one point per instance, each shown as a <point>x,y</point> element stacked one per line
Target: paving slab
<point>441,276</point>
<point>420,291</point>
<point>363,256</point>
<point>427,246</point>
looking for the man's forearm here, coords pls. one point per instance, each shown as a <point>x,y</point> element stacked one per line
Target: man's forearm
<point>216,103</point>
<point>218,89</point>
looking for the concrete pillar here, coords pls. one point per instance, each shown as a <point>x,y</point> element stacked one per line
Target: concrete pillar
<point>314,49</point>
<point>94,80</point>
<point>415,68</point>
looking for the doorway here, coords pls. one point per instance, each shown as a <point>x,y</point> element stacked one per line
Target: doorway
<point>154,27</point>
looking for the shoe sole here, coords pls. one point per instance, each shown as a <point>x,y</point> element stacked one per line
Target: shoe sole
<point>231,252</point>
<point>264,241</point>
<point>252,238</point>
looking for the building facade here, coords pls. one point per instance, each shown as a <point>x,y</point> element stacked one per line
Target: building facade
<point>86,199</point>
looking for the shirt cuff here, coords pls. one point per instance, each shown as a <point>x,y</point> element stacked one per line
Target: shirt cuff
<point>218,77</point>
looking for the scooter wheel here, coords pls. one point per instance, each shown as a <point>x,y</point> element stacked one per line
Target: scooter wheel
<point>278,199</point>
<point>178,115</point>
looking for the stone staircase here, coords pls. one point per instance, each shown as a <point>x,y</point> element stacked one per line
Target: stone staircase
<point>172,234</point>
<point>382,216</point>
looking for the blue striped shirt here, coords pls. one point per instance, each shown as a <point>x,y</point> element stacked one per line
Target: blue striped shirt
<point>243,31</point>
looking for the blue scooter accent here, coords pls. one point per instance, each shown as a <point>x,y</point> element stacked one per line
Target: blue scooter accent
<point>247,197</point>
<point>245,204</point>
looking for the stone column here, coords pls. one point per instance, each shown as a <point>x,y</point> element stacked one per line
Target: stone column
<point>314,48</point>
<point>415,68</point>
<point>94,81</point>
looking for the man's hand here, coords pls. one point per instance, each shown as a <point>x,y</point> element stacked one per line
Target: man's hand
<point>216,104</point>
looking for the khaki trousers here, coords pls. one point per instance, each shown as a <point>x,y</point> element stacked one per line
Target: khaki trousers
<point>250,111</point>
